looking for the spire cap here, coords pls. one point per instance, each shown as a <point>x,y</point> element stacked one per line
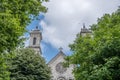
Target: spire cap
<point>83,25</point>
<point>36,27</point>
<point>60,48</point>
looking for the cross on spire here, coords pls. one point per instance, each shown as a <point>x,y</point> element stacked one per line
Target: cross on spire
<point>60,48</point>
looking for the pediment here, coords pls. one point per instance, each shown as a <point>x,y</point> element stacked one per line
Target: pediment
<point>60,54</point>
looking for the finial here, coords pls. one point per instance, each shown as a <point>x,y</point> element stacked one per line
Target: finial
<point>60,48</point>
<point>83,25</point>
<point>36,27</point>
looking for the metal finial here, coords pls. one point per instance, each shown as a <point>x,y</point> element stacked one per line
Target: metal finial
<point>83,25</point>
<point>60,48</point>
<point>36,27</point>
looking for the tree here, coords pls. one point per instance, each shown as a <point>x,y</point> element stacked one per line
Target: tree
<point>15,15</point>
<point>4,73</point>
<point>98,57</point>
<point>27,65</point>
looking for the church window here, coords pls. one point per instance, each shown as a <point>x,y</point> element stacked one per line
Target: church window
<point>34,40</point>
<point>60,68</point>
<point>61,78</point>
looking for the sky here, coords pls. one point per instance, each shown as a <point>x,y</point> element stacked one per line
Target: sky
<point>64,19</point>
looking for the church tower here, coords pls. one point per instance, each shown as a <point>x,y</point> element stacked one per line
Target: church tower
<point>85,31</point>
<point>35,39</point>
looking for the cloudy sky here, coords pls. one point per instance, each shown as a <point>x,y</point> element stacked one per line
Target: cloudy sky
<point>64,20</point>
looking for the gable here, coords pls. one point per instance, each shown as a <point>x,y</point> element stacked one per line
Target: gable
<point>59,55</point>
<point>57,69</point>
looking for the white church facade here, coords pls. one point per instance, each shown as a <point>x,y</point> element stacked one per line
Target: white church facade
<point>57,69</point>
<point>58,72</point>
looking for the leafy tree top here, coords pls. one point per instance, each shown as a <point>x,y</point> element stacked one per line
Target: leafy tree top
<point>26,65</point>
<point>15,15</point>
<point>98,57</point>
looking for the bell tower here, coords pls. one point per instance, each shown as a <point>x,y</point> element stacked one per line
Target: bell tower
<point>35,39</point>
<point>85,31</point>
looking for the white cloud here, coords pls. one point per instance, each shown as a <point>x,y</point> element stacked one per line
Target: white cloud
<point>64,18</point>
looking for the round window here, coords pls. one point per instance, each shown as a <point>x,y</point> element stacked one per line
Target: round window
<point>60,68</point>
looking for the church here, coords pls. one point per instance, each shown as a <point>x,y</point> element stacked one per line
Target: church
<point>58,72</point>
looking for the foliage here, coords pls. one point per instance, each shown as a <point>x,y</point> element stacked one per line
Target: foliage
<point>27,65</point>
<point>14,16</point>
<point>98,57</point>
<point>4,73</point>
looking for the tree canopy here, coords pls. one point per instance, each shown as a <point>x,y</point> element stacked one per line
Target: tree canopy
<point>15,15</point>
<point>97,57</point>
<point>27,65</point>
<point>4,73</point>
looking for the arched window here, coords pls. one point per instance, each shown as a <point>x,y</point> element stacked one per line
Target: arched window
<point>61,78</point>
<point>34,40</point>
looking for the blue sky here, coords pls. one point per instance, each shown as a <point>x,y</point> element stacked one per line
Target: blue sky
<point>64,20</point>
<point>48,51</point>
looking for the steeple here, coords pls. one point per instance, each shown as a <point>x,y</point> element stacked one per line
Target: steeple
<point>35,39</point>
